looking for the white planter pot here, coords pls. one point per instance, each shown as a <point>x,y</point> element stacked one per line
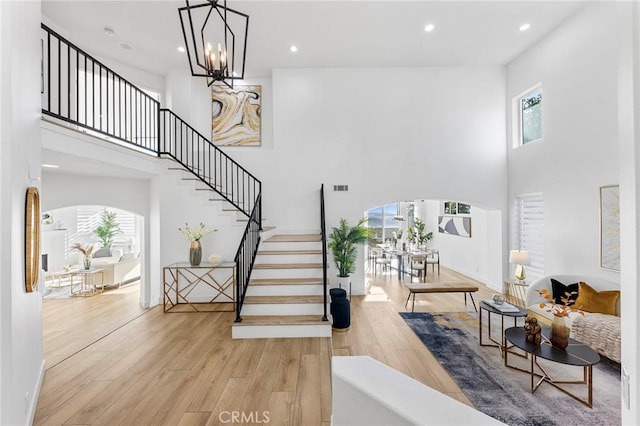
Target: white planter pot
<point>344,283</point>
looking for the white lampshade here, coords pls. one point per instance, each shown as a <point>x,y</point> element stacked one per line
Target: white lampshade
<point>519,257</point>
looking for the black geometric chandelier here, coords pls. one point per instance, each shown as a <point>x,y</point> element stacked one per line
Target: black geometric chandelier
<point>215,38</point>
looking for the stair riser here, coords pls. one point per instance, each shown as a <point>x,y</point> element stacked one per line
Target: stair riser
<point>286,273</point>
<point>312,245</point>
<point>289,258</point>
<point>274,331</point>
<point>284,290</point>
<point>249,309</point>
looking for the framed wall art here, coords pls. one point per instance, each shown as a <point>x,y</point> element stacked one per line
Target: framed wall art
<point>455,225</point>
<point>610,227</point>
<point>236,115</point>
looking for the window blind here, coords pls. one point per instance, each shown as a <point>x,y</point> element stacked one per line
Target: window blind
<point>529,223</point>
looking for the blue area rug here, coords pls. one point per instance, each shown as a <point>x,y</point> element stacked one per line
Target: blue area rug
<point>504,393</point>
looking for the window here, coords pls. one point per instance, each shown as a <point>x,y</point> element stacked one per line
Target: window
<point>529,232</point>
<point>528,117</point>
<point>387,219</point>
<point>88,218</point>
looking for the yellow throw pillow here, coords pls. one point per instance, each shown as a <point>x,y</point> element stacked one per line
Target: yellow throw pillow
<point>590,300</point>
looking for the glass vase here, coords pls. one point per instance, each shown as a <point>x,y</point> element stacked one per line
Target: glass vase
<point>195,253</point>
<point>87,263</point>
<point>559,337</point>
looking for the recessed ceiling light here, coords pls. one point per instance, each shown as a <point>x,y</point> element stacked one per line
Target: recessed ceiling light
<point>50,166</point>
<point>181,49</point>
<point>429,28</point>
<point>126,46</point>
<point>525,27</point>
<point>109,31</point>
<point>293,49</point>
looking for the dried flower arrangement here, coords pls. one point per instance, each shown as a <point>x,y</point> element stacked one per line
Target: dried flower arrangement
<point>557,309</point>
<point>195,234</point>
<point>86,251</point>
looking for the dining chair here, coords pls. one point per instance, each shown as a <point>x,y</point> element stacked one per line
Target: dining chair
<point>418,263</point>
<point>433,259</point>
<point>379,259</point>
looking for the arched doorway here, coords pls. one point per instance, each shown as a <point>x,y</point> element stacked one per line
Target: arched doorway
<point>80,306</point>
<point>475,251</point>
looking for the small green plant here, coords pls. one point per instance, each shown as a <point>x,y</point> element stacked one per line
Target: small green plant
<point>107,228</point>
<point>342,243</point>
<point>417,234</point>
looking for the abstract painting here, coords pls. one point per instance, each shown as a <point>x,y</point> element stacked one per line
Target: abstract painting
<point>236,115</point>
<point>610,227</point>
<point>455,225</point>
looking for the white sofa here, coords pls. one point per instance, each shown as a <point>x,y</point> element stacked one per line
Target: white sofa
<point>600,331</point>
<point>118,267</point>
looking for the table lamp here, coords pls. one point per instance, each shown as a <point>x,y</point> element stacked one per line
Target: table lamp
<point>519,258</point>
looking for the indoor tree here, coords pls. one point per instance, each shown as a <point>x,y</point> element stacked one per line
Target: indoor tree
<point>108,228</point>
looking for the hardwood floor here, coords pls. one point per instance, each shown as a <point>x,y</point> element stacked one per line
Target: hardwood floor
<point>184,368</point>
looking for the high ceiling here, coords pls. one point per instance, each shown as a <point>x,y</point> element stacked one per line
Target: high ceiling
<point>350,34</point>
<point>327,33</point>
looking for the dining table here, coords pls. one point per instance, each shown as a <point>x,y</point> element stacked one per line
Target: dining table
<point>400,255</point>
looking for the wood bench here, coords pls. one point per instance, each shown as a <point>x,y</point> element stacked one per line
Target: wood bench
<point>441,288</point>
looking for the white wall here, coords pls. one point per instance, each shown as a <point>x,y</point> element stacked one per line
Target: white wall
<point>478,257</point>
<point>629,157</point>
<point>590,119</point>
<point>439,134</point>
<point>21,362</point>
<point>577,67</point>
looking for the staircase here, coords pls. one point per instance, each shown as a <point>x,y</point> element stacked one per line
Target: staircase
<point>285,293</point>
<point>286,297</point>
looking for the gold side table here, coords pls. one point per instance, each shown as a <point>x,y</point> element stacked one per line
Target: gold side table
<point>515,292</point>
<point>204,288</point>
<point>87,286</point>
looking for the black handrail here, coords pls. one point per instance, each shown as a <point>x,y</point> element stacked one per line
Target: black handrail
<point>323,231</point>
<point>246,256</point>
<point>208,163</point>
<point>79,89</point>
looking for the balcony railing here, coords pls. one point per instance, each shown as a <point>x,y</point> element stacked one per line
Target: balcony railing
<point>80,90</point>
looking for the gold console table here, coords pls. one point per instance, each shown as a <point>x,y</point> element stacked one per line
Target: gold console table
<point>207,287</point>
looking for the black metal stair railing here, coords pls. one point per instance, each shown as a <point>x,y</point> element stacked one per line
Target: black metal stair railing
<point>208,163</point>
<point>80,90</point>
<point>323,231</point>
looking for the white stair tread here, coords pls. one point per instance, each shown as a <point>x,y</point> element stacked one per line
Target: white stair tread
<point>294,238</point>
<point>273,300</point>
<point>285,281</point>
<point>287,252</point>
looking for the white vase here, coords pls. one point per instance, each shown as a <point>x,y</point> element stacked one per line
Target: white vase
<point>344,282</point>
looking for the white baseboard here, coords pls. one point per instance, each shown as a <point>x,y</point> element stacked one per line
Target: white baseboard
<point>35,394</point>
<point>471,275</point>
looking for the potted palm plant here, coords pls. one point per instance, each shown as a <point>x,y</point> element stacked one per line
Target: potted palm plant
<point>108,228</point>
<point>342,243</point>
